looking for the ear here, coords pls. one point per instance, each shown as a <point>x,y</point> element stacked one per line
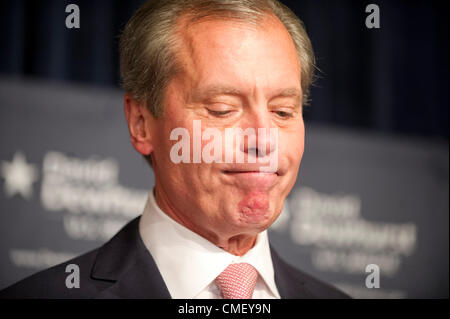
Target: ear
<point>138,118</point>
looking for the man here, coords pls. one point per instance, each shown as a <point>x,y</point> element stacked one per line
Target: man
<point>195,69</point>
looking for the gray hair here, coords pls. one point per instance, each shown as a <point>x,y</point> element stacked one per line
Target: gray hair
<point>147,44</point>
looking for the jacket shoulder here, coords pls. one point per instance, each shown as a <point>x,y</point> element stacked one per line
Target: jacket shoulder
<point>51,283</point>
<point>296,284</point>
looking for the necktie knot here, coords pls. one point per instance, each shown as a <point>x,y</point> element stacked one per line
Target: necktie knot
<point>237,281</point>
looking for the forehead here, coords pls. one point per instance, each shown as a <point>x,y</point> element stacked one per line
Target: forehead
<point>238,53</point>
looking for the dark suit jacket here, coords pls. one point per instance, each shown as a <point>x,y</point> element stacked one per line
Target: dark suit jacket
<point>124,268</point>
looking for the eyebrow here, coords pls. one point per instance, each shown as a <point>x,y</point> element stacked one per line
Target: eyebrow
<point>294,93</point>
<point>216,90</point>
<point>290,92</point>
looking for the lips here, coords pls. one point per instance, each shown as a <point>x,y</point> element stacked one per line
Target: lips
<point>255,168</point>
<point>247,171</point>
<point>250,179</point>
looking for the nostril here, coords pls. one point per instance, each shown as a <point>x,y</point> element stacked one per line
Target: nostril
<point>258,153</point>
<point>254,151</point>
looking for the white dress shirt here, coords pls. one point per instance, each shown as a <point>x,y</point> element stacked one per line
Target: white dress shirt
<point>189,263</point>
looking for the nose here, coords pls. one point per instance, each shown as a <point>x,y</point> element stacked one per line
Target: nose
<point>261,140</point>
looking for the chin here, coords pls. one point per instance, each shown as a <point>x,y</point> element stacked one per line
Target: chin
<point>256,220</point>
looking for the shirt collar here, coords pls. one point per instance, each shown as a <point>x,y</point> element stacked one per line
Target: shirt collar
<point>188,262</point>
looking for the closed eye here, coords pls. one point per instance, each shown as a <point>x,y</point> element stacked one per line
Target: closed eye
<point>219,113</point>
<point>283,114</point>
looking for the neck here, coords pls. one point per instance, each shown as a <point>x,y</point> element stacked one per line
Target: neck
<point>236,244</point>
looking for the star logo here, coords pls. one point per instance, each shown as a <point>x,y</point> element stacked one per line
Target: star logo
<point>19,176</point>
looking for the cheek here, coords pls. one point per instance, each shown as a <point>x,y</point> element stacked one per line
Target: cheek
<point>292,146</point>
<point>162,147</point>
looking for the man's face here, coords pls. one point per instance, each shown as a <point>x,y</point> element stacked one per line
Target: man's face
<point>233,75</point>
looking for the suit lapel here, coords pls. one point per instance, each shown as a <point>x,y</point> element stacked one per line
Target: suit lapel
<point>126,262</point>
<point>290,282</point>
<point>128,265</point>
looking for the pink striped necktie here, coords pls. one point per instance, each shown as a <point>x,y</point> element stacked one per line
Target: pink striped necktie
<point>237,281</point>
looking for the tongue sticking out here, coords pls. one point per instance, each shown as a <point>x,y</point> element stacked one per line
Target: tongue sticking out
<point>254,208</point>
